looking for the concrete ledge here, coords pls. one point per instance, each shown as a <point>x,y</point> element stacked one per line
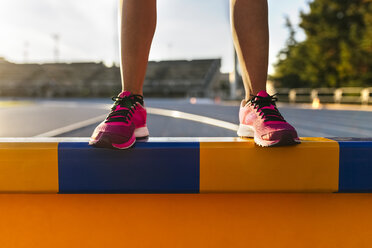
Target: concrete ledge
<point>185,165</point>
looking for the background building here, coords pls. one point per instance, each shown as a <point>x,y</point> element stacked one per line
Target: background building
<point>179,78</point>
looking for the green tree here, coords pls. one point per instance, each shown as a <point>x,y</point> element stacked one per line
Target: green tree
<point>337,50</point>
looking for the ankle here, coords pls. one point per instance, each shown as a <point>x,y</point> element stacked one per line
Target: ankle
<point>133,91</point>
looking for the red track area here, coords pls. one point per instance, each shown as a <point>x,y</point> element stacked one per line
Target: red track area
<point>209,220</point>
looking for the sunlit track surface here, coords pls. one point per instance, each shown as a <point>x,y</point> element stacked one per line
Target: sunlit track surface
<point>78,118</point>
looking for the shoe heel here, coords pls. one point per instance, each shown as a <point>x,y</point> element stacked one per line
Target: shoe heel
<point>245,131</point>
<point>141,133</point>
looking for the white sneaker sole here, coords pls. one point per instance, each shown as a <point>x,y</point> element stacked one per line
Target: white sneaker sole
<point>246,131</point>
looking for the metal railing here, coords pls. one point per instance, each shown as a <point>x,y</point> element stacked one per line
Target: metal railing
<point>353,95</point>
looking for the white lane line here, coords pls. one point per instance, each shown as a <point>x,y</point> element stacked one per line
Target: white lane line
<point>72,127</point>
<point>154,111</point>
<point>7,104</point>
<point>193,117</point>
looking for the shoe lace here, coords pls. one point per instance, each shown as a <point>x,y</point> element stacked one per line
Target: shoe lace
<point>129,105</point>
<point>268,114</point>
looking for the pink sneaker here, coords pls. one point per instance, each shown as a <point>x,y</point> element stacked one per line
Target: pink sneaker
<point>259,118</point>
<point>125,123</point>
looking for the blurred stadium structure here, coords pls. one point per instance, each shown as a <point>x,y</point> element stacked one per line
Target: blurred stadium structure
<point>178,78</point>
<point>181,78</point>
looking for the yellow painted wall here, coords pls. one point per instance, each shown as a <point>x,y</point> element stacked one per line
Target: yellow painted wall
<point>29,167</point>
<point>244,167</point>
<point>177,221</point>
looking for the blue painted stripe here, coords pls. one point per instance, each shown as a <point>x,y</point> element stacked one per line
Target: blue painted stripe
<point>355,172</point>
<point>149,167</point>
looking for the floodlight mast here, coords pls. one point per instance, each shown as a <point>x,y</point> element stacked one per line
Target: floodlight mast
<point>26,47</point>
<point>56,39</point>
<point>234,75</point>
<point>235,78</point>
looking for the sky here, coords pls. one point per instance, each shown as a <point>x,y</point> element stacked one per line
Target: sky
<point>88,30</point>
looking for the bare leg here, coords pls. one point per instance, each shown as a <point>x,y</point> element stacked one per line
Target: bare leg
<point>138,23</point>
<point>251,40</point>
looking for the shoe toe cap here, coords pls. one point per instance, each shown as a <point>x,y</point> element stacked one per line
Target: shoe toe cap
<point>115,133</point>
<point>278,134</point>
